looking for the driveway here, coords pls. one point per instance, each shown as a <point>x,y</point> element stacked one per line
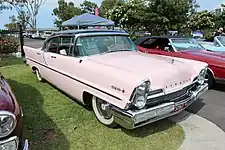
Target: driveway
<point>212,106</point>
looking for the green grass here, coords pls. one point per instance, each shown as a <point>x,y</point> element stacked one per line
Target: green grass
<point>52,121</point>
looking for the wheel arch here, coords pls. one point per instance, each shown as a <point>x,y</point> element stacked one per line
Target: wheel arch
<point>211,72</point>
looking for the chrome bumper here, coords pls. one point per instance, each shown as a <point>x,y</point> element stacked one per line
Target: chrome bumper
<point>131,119</point>
<point>13,143</point>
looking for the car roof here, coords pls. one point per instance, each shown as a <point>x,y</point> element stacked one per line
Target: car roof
<point>144,38</point>
<point>88,31</point>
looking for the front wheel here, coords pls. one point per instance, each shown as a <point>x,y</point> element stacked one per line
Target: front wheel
<point>210,79</point>
<point>102,112</point>
<point>39,77</point>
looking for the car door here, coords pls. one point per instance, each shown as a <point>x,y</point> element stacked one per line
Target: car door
<point>62,66</point>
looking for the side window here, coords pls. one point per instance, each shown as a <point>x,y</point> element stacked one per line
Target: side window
<point>65,45</point>
<point>52,45</point>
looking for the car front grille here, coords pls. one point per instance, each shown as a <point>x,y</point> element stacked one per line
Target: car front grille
<point>175,96</point>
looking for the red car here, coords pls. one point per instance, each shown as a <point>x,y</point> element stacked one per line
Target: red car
<point>187,48</point>
<point>10,119</point>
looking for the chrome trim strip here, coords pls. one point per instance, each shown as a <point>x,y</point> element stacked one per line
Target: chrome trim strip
<point>3,112</point>
<point>26,146</point>
<point>127,118</point>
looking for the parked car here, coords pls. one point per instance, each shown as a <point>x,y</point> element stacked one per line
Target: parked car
<point>46,34</point>
<point>10,119</point>
<point>211,46</point>
<point>36,35</point>
<point>187,48</point>
<point>124,86</point>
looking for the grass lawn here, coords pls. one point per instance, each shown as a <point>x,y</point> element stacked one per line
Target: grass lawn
<point>52,121</point>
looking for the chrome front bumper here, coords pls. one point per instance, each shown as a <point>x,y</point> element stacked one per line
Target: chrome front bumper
<point>12,143</point>
<point>131,119</point>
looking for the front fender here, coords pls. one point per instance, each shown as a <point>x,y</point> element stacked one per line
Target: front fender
<point>120,102</point>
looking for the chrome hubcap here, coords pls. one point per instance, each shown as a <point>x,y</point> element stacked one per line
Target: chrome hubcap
<point>104,108</point>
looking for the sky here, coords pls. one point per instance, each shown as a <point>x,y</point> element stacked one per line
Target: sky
<point>46,20</point>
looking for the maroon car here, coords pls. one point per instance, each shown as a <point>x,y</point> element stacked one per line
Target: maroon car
<point>10,119</point>
<point>188,48</point>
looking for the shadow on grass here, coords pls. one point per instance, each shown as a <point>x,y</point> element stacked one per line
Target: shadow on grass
<point>150,129</point>
<point>10,60</point>
<point>39,128</point>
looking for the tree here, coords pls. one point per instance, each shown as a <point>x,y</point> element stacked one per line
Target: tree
<point>3,6</point>
<point>201,21</point>
<point>28,9</point>
<point>13,25</point>
<point>64,12</point>
<point>88,7</point>
<point>156,16</point>
<point>107,5</point>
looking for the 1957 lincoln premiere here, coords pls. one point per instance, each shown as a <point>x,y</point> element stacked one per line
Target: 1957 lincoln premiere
<point>103,68</point>
<point>10,119</point>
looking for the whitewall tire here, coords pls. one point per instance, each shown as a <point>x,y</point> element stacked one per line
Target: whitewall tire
<point>39,77</point>
<point>102,112</point>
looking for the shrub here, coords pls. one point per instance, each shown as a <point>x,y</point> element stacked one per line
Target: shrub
<point>8,45</point>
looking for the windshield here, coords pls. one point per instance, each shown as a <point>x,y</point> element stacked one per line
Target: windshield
<point>222,40</point>
<point>93,45</point>
<point>186,44</point>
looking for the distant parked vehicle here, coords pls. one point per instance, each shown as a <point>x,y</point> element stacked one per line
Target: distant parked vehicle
<point>187,48</point>
<point>36,35</point>
<point>46,34</point>
<point>211,46</point>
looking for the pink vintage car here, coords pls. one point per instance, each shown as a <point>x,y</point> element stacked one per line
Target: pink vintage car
<point>103,68</point>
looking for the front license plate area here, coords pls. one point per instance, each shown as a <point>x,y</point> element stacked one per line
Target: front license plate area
<point>180,106</point>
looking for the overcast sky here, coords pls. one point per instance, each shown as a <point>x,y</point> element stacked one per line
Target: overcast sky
<point>45,19</point>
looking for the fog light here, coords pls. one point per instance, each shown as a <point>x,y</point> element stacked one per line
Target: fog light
<point>10,145</point>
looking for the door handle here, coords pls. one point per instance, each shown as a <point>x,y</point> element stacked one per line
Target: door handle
<point>53,56</point>
<point>38,53</point>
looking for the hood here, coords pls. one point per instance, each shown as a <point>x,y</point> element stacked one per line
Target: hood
<point>163,72</point>
<point>6,102</point>
<point>220,56</point>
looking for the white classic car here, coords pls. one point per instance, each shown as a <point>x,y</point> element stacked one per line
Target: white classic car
<point>103,68</point>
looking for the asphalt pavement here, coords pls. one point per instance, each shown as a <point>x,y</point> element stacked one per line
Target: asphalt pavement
<point>210,106</point>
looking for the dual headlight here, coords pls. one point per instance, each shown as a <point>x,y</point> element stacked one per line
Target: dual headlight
<point>202,76</point>
<point>7,123</point>
<point>140,94</point>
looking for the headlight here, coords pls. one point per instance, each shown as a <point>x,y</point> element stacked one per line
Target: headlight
<point>7,123</point>
<point>201,76</point>
<point>140,95</point>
